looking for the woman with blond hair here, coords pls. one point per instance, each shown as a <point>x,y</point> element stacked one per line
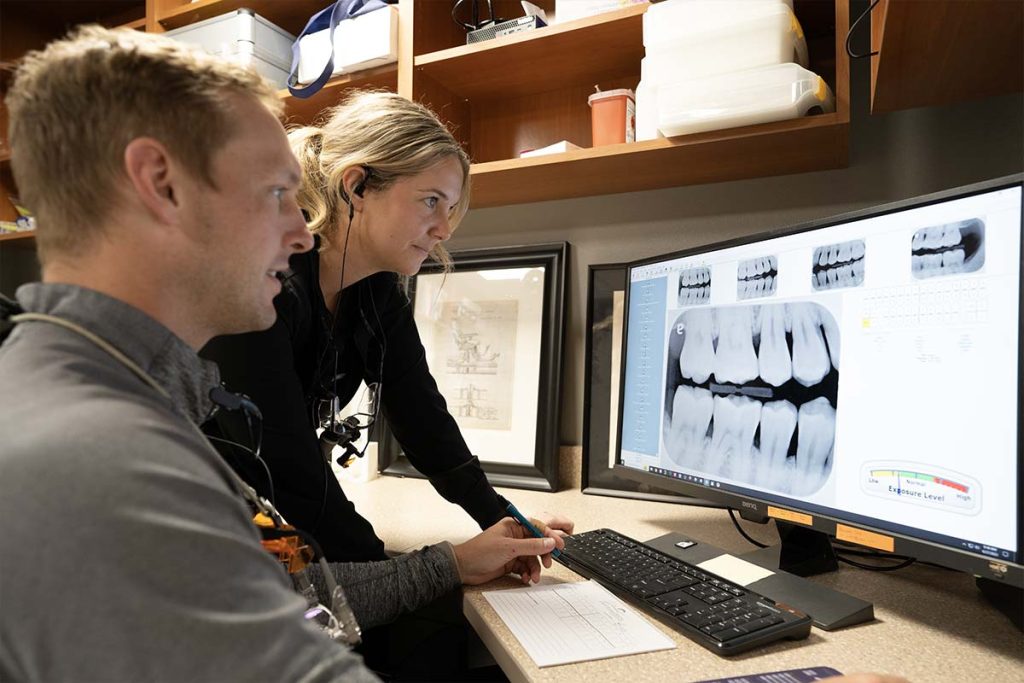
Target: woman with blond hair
<point>383,186</point>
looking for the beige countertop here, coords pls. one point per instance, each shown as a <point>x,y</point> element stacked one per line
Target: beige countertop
<point>930,624</point>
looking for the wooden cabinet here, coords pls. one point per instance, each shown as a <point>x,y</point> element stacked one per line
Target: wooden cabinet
<point>944,51</point>
<point>529,90</point>
<point>524,91</point>
<point>30,24</point>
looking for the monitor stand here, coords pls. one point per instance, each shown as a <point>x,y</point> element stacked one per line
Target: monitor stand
<point>829,608</point>
<point>1007,599</point>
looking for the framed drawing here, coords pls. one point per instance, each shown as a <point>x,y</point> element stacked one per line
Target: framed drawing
<point>606,294</point>
<point>493,331</point>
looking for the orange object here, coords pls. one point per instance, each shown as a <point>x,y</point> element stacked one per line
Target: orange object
<point>612,116</point>
<point>290,551</point>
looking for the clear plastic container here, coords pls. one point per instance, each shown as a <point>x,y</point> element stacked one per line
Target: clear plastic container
<point>742,98</point>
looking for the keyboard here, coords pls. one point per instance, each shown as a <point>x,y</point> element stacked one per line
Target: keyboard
<point>717,614</point>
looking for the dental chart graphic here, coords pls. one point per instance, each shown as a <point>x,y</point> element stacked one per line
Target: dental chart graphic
<point>694,286</point>
<point>756,277</point>
<point>838,265</point>
<point>751,394</point>
<point>866,370</point>
<point>948,249</point>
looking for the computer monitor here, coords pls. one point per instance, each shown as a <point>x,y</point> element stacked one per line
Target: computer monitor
<point>858,376</point>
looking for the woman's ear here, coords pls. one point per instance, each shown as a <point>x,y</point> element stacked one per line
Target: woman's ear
<point>354,180</point>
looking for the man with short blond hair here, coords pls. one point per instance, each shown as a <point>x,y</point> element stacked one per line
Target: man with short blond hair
<point>129,553</point>
<point>165,191</point>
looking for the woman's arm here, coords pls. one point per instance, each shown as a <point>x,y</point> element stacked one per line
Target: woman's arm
<point>417,413</point>
<point>378,592</point>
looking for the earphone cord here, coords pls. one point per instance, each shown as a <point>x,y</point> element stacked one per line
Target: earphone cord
<point>248,492</point>
<point>327,347</point>
<point>341,287</point>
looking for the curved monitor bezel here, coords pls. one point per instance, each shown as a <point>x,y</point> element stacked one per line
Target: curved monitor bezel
<point>752,507</point>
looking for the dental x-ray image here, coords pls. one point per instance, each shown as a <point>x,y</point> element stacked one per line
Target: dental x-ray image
<point>756,277</point>
<point>838,265</point>
<point>751,394</point>
<point>694,286</point>
<point>948,249</point>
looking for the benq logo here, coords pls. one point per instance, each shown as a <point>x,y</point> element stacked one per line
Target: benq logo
<point>752,506</point>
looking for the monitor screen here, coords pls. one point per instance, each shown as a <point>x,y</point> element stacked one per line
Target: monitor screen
<point>864,371</point>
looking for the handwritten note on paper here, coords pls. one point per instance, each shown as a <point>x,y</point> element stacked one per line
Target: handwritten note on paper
<point>574,622</point>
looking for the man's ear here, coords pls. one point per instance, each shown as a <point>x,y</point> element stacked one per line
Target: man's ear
<point>153,176</point>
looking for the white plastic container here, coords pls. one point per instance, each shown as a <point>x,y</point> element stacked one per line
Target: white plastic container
<point>742,98</point>
<point>646,111</point>
<point>672,21</point>
<point>366,41</point>
<point>758,33</point>
<point>244,38</point>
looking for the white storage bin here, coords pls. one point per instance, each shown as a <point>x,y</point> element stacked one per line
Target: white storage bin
<point>366,41</point>
<point>646,111</point>
<point>245,38</point>
<point>769,35</point>
<point>672,21</point>
<point>741,98</point>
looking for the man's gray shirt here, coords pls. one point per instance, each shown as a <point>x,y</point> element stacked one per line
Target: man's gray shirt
<point>128,552</point>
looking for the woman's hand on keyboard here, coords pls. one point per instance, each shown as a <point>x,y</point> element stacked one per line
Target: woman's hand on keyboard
<point>562,526</point>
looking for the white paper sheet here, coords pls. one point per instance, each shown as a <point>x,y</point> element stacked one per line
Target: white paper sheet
<point>574,622</point>
<point>735,569</point>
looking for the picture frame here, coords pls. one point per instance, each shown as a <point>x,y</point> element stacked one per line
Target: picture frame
<point>493,330</point>
<point>606,289</point>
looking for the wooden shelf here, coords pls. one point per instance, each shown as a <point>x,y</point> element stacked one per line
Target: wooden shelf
<point>588,50</point>
<point>291,15</point>
<point>24,237</point>
<point>138,24</point>
<point>795,146</point>
<point>528,90</point>
<point>538,95</point>
<point>945,51</point>
<point>56,16</point>
<point>304,111</point>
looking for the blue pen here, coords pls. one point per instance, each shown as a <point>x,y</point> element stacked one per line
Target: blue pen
<point>518,516</point>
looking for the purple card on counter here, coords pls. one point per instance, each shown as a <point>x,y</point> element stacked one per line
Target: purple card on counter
<point>807,675</point>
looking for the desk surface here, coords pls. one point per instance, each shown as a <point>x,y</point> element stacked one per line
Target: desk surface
<point>931,624</point>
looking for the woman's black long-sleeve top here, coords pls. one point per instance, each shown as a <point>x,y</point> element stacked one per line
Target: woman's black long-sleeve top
<point>287,368</point>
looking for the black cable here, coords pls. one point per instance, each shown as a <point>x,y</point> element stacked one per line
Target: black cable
<point>869,553</point>
<point>876,568</point>
<point>906,561</point>
<point>336,314</point>
<point>853,26</point>
<point>254,454</point>
<point>736,523</point>
<point>475,20</point>
<point>883,556</point>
